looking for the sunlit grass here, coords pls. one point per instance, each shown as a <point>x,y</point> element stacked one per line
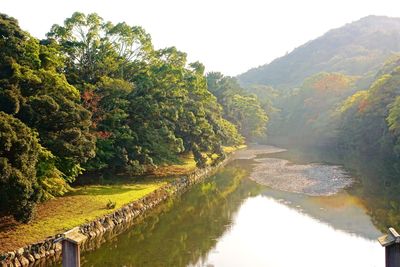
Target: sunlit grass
<point>187,165</point>
<point>87,203</point>
<point>63,213</point>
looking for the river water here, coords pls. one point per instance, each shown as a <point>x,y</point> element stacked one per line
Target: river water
<point>246,215</point>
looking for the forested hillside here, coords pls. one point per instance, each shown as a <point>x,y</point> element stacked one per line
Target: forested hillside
<point>369,121</point>
<point>96,97</point>
<point>327,111</point>
<point>305,113</point>
<point>339,95</point>
<point>357,49</point>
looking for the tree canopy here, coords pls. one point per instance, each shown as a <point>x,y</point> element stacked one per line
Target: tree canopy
<point>97,97</point>
<point>19,154</point>
<point>243,109</point>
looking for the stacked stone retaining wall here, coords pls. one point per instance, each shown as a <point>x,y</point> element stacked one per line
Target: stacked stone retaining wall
<point>45,252</point>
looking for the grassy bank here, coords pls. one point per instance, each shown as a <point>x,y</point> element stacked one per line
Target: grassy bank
<point>63,213</point>
<point>87,203</point>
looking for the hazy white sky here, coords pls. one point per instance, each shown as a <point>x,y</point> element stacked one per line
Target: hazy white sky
<point>230,36</point>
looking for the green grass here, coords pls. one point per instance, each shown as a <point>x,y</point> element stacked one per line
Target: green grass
<point>87,203</point>
<point>83,205</point>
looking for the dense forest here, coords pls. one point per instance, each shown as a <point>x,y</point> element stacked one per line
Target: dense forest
<point>97,97</point>
<point>339,95</point>
<point>107,136</point>
<point>356,49</point>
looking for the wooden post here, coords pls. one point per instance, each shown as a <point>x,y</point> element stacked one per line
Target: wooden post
<point>391,242</point>
<point>71,248</point>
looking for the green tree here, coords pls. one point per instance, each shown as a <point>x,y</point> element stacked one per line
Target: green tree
<point>247,113</point>
<point>19,153</point>
<point>102,59</point>
<point>242,109</point>
<point>32,89</point>
<point>95,48</point>
<point>393,121</point>
<point>368,122</point>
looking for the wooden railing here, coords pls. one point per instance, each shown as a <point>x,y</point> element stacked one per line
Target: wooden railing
<point>72,239</point>
<point>71,242</point>
<point>391,242</point>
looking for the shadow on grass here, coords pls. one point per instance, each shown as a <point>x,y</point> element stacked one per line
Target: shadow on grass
<point>103,190</point>
<point>115,180</point>
<point>7,223</point>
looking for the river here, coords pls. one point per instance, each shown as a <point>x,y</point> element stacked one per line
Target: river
<point>244,216</point>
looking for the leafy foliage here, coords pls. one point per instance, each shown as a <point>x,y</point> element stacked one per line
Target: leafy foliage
<point>42,98</point>
<point>97,97</point>
<point>244,110</point>
<point>148,106</point>
<point>19,154</point>
<point>369,119</point>
<point>393,120</point>
<point>328,112</point>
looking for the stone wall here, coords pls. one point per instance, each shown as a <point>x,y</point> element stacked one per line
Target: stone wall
<point>49,250</point>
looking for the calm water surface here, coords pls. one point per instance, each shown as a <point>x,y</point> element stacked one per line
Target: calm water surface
<point>230,220</point>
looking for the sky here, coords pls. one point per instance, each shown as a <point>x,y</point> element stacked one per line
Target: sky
<point>230,36</point>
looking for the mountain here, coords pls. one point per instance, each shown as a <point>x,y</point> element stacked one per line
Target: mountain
<point>359,48</point>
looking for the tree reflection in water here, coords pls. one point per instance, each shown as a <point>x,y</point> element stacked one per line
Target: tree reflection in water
<point>183,230</point>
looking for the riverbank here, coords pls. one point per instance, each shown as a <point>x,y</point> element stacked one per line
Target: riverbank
<point>86,207</point>
<point>230,220</point>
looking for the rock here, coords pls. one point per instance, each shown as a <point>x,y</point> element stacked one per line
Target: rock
<point>98,227</point>
<point>30,257</point>
<point>36,256</point>
<point>11,255</point>
<point>97,231</point>
<point>24,261</point>
<point>17,263</point>
<point>109,222</point>
<point>57,247</point>
<point>19,252</point>
<point>42,252</point>
<point>52,252</point>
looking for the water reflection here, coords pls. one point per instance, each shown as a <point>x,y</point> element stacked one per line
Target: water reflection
<point>183,233</point>
<point>230,220</point>
<point>268,233</point>
<point>378,184</point>
<point>331,231</point>
<point>341,211</point>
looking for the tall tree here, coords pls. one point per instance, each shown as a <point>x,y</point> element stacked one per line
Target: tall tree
<point>32,90</point>
<point>19,153</point>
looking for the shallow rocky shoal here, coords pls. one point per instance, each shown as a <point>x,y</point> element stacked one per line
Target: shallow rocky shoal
<point>311,179</point>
